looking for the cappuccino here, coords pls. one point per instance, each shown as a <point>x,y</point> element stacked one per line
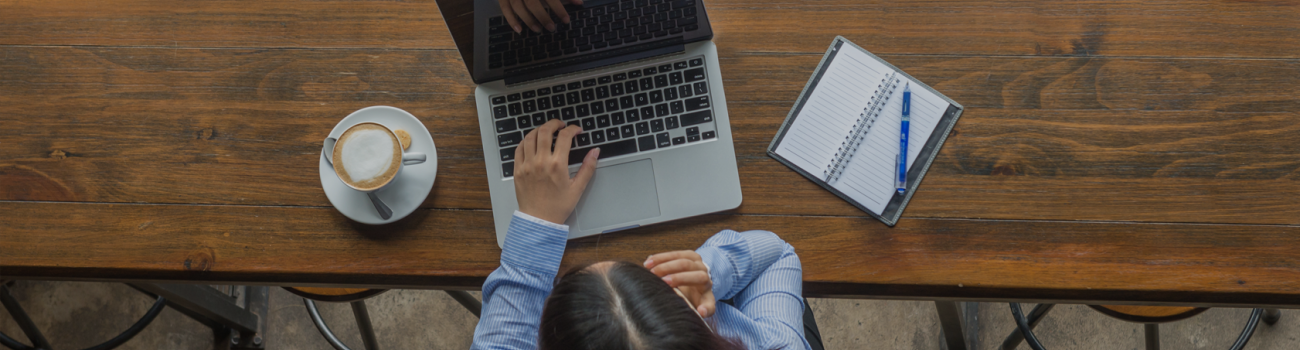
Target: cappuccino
<point>367,156</point>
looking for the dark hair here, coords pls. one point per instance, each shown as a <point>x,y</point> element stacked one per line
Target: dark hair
<point>625,307</point>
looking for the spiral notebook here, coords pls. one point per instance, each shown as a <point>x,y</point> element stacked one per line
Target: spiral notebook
<point>843,132</point>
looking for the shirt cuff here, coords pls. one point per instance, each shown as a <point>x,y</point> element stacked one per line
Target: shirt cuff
<point>719,268</point>
<point>539,221</point>
<point>534,244</point>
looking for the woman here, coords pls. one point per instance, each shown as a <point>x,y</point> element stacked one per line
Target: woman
<point>671,302</point>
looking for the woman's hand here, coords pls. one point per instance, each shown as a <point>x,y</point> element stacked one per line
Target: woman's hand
<point>542,183</point>
<point>533,13</point>
<point>685,270</point>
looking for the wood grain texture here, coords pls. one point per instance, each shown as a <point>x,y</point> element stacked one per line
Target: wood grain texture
<point>1182,28</point>
<point>1043,138</point>
<point>920,258</point>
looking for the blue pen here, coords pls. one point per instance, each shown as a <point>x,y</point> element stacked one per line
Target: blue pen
<point>902,138</point>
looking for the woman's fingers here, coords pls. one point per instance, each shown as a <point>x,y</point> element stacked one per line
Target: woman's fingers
<point>654,260</point>
<point>677,266</point>
<point>544,137</point>
<point>527,148</point>
<point>539,12</point>
<point>558,9</point>
<point>521,10</point>
<point>689,278</point>
<point>508,11</point>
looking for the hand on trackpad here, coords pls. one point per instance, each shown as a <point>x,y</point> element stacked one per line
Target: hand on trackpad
<point>618,195</point>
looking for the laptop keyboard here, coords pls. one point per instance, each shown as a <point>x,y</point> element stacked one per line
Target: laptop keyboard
<point>593,28</point>
<point>655,106</point>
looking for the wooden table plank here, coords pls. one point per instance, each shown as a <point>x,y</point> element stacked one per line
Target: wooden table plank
<point>920,258</point>
<point>1179,28</point>
<point>1044,138</point>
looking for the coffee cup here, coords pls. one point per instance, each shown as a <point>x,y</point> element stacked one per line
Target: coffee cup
<point>368,157</point>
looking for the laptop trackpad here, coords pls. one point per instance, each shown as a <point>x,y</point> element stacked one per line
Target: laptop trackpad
<point>619,194</point>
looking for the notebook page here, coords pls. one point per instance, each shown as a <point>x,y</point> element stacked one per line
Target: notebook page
<point>871,174</point>
<point>832,108</point>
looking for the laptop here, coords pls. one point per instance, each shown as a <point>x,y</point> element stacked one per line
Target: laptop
<point>641,78</point>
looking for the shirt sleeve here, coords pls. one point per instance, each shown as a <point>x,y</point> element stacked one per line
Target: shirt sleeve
<point>514,294</point>
<point>763,278</point>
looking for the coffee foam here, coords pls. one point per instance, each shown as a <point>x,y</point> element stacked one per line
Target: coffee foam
<point>367,156</point>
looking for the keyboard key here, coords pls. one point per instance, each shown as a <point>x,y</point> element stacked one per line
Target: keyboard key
<point>709,135</point>
<point>671,123</point>
<point>543,91</point>
<point>523,122</point>
<point>530,106</point>
<point>696,62</point>
<point>648,71</point>
<point>530,94</point>
<point>574,86</point>
<point>617,118</point>
<point>697,103</point>
<point>620,77</point>
<point>665,67</point>
<point>694,130</point>
<point>588,95</point>
<point>661,110</point>
<point>701,88</point>
<point>498,100</point>
<point>584,139</point>
<point>611,134</point>
<point>589,83</point>
<point>516,108</point>
<point>675,78</point>
<point>499,112</point>
<point>507,154</point>
<point>634,74</point>
<point>676,107</point>
<point>558,100</point>
<point>589,124</point>
<point>603,80</point>
<point>513,97</point>
<point>692,138</point>
<point>642,128</point>
<point>656,96</point>
<point>602,121</point>
<point>598,136</point>
<point>627,131</point>
<point>583,111</point>
<point>642,99</point>
<point>694,74</point>
<point>679,140</point>
<point>573,123</point>
<point>509,139</point>
<point>558,88</point>
<point>551,114</point>
<point>508,169</point>
<point>626,102</point>
<point>679,65</point>
<point>684,90</point>
<point>597,107</point>
<point>661,81</point>
<point>647,83</point>
<point>647,112</point>
<point>572,98</point>
<point>616,90</point>
<point>612,149</point>
<point>567,113</point>
<point>507,125</point>
<point>602,92</point>
<point>700,117</point>
<point>646,142</point>
<point>633,116</point>
<point>663,140</point>
<point>670,94</point>
<point>631,87</point>
<point>611,105</point>
<point>657,125</point>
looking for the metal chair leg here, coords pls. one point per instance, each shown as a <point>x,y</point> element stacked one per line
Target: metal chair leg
<point>24,322</point>
<point>320,326</point>
<point>1255,315</point>
<point>468,301</point>
<point>1013,340</point>
<point>1271,316</point>
<point>1152,331</point>
<point>363,324</point>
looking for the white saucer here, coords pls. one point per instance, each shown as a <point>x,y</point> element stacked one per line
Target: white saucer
<point>407,191</point>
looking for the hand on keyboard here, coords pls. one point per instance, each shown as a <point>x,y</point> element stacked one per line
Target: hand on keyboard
<point>534,13</point>
<point>542,182</point>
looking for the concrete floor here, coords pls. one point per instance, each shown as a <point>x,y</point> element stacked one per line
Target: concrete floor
<point>80,314</point>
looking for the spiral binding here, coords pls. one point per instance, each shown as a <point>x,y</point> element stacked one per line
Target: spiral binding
<point>870,113</point>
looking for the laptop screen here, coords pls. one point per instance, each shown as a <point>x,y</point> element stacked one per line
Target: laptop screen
<point>459,15</point>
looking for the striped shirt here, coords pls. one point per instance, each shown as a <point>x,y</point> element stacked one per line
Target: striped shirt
<point>756,274</point>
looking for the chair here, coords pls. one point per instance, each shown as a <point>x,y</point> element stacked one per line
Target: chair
<point>40,343</point>
<point>357,298</point>
<point>1150,316</point>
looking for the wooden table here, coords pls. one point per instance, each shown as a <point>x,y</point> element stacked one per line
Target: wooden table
<point>1127,151</point>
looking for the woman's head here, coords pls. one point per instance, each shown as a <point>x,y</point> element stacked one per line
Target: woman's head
<point>620,305</point>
